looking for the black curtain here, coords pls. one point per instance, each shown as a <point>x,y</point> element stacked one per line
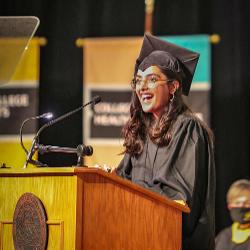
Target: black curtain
<point>62,22</point>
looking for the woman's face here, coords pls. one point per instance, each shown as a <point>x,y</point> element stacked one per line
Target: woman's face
<point>153,90</point>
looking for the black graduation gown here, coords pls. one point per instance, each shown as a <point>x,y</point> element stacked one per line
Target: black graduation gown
<point>182,170</point>
<point>224,241</point>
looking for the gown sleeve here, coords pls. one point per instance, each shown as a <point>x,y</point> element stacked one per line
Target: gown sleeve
<point>223,240</point>
<point>125,167</point>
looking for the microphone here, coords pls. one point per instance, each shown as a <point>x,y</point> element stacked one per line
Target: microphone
<point>81,149</point>
<point>45,115</point>
<point>94,101</point>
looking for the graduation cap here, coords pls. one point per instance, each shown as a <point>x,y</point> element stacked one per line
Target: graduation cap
<point>169,56</point>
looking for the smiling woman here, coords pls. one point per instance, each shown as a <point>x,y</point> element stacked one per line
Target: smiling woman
<point>167,148</point>
<point>155,91</point>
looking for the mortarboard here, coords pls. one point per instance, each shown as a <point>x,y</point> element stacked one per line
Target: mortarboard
<point>155,51</point>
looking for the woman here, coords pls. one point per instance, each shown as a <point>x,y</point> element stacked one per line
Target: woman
<point>167,148</point>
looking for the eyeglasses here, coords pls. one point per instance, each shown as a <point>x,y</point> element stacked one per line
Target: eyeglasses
<point>151,81</point>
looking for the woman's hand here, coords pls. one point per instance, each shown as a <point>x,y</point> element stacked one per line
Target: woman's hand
<point>182,202</point>
<point>105,168</point>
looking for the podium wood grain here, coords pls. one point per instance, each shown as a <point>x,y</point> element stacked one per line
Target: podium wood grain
<point>116,214</point>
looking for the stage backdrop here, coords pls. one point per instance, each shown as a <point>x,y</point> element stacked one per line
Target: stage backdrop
<point>18,101</point>
<point>108,65</point>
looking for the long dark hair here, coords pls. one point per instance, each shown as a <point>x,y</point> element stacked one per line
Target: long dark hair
<point>141,124</point>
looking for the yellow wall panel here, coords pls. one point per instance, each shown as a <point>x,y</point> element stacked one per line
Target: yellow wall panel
<point>12,154</point>
<point>28,68</point>
<point>102,59</point>
<point>110,155</point>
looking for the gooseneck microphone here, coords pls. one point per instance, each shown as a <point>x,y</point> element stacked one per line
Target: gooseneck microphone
<point>45,115</point>
<point>32,150</point>
<point>95,100</point>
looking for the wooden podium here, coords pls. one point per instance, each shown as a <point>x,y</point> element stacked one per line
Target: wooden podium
<point>90,209</point>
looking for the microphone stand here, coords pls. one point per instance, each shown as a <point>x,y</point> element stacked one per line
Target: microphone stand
<point>30,155</point>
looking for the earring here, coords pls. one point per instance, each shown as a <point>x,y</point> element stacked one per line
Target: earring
<point>171,98</point>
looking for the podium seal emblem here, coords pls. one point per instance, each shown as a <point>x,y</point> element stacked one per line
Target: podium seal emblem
<point>29,223</point>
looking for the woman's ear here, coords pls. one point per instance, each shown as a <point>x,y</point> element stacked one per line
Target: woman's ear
<point>173,87</point>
